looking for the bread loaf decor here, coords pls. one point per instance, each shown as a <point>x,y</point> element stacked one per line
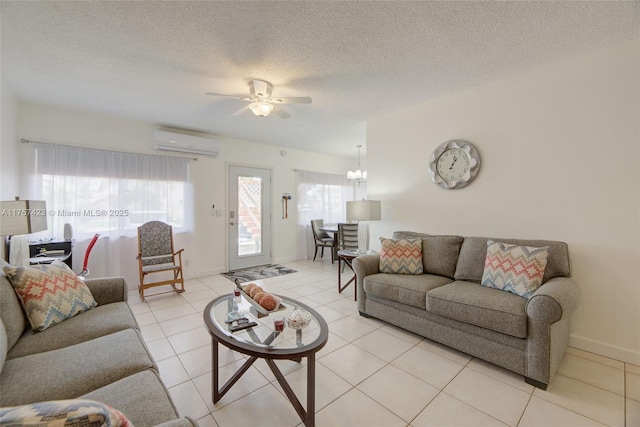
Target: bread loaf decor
<point>257,297</point>
<point>269,302</point>
<point>252,293</point>
<point>260,299</point>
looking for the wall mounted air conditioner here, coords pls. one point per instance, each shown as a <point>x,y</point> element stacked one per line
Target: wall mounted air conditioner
<point>183,143</point>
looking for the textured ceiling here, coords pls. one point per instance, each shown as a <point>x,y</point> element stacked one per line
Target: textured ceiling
<point>155,60</point>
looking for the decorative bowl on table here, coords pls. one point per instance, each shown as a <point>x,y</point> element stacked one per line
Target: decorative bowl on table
<point>266,303</point>
<point>298,319</point>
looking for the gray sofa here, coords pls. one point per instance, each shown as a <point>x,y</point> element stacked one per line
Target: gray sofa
<point>98,355</point>
<point>447,304</point>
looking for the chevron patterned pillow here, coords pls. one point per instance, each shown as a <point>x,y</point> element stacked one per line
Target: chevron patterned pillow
<point>49,293</point>
<point>517,269</point>
<point>67,413</point>
<point>401,256</point>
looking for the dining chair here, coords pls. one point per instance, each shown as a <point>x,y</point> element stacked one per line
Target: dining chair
<point>321,239</point>
<point>348,236</point>
<point>156,255</point>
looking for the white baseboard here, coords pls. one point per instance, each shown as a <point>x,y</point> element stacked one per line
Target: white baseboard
<point>605,349</point>
<point>287,259</point>
<point>204,273</point>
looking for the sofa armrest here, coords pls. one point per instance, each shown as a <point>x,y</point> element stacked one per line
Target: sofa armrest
<point>363,266</point>
<point>555,299</point>
<point>107,290</point>
<point>180,422</point>
<point>548,313</point>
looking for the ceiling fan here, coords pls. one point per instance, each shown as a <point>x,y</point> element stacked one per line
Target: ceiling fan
<point>262,103</point>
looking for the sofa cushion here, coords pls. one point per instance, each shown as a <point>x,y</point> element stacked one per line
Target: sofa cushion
<point>50,293</point>
<point>401,256</point>
<point>13,317</point>
<point>72,371</point>
<point>513,268</point>
<point>4,347</point>
<point>67,413</point>
<point>481,306</point>
<point>474,251</point>
<point>140,397</point>
<point>405,289</point>
<point>439,253</point>
<point>100,321</point>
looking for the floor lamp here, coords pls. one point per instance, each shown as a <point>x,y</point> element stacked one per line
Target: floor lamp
<point>362,211</point>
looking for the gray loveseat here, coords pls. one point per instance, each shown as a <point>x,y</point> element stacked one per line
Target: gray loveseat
<point>447,304</point>
<point>97,355</point>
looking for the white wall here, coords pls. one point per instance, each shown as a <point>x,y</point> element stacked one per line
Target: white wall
<point>205,248</point>
<point>560,161</point>
<point>8,137</point>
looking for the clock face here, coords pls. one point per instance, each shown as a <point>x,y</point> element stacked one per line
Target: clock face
<point>453,164</point>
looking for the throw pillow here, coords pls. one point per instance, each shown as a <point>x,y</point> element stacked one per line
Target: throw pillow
<point>67,413</point>
<point>517,269</point>
<point>402,256</point>
<point>3,264</point>
<point>49,293</point>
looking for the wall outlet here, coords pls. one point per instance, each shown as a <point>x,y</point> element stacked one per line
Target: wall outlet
<point>186,263</point>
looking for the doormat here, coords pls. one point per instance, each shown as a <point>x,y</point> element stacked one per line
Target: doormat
<point>257,273</point>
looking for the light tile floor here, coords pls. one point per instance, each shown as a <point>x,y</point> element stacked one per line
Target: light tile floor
<point>371,373</point>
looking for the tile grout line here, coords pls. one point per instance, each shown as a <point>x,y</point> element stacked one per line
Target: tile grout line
<point>624,397</point>
<point>525,408</point>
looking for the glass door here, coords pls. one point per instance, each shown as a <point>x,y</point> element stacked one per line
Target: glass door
<point>249,217</point>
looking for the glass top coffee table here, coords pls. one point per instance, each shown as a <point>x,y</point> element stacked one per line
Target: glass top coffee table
<point>262,341</point>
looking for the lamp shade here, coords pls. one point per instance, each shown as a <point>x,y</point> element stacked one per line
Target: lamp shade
<point>364,210</point>
<point>22,217</point>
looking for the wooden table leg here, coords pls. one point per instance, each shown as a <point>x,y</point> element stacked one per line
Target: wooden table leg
<point>311,390</point>
<point>215,373</point>
<point>219,393</point>
<point>353,279</point>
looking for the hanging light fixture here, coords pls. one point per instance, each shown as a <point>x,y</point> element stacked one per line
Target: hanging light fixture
<point>261,108</point>
<point>357,175</point>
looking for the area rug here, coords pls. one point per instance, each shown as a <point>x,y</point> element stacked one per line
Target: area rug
<point>257,273</point>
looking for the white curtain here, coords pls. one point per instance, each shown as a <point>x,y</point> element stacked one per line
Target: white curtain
<point>111,193</point>
<point>322,196</point>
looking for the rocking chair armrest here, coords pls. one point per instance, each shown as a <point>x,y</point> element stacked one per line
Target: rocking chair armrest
<point>179,252</point>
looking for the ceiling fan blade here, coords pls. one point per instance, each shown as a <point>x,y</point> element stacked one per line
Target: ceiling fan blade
<point>241,98</point>
<point>240,111</point>
<point>292,100</point>
<point>281,113</point>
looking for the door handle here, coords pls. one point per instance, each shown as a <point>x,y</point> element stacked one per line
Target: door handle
<point>232,223</point>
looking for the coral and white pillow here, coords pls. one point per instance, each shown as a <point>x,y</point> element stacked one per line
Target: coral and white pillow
<point>49,293</point>
<point>67,413</point>
<point>401,256</point>
<point>517,269</point>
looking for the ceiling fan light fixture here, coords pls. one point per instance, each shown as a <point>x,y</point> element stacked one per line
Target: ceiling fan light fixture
<point>261,108</point>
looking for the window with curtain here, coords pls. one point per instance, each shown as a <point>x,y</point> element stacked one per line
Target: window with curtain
<point>322,196</point>
<point>106,191</point>
<point>111,193</point>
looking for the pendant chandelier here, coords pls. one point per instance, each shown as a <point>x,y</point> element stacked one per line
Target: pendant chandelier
<point>357,175</point>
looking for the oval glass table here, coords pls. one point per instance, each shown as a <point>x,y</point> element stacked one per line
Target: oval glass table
<point>262,341</point>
